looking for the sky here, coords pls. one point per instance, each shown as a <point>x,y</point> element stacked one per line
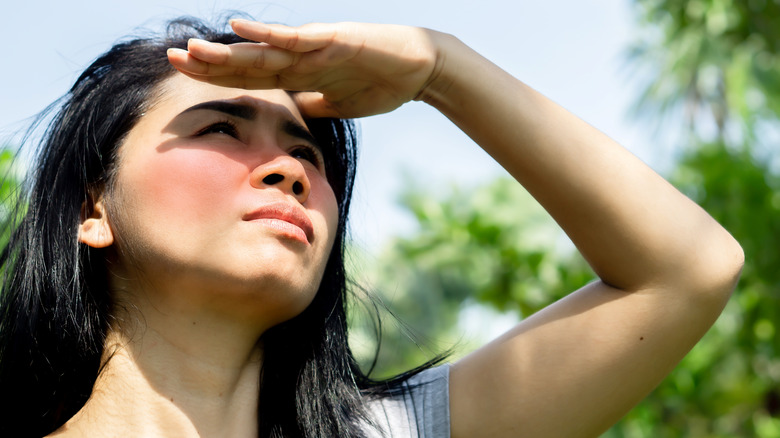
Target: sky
<point>570,50</point>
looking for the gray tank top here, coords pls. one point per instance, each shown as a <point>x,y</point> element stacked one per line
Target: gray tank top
<point>423,411</point>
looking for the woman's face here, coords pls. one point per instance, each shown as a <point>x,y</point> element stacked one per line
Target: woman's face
<point>221,198</point>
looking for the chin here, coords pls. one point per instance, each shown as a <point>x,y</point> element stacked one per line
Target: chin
<point>277,295</point>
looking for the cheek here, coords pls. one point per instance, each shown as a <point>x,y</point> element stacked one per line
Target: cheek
<point>327,206</point>
<point>190,184</point>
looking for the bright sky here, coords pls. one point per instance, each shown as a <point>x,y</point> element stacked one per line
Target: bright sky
<point>571,50</point>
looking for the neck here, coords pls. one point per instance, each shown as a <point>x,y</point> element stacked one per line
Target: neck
<point>167,375</point>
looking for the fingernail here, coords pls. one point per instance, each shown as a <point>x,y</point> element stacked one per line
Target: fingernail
<point>234,21</point>
<point>174,50</point>
<point>193,43</point>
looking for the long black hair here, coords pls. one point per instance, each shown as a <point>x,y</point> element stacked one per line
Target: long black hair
<point>55,305</point>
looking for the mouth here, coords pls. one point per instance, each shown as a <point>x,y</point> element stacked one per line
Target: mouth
<point>285,219</point>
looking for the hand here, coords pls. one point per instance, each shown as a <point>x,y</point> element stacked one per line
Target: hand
<point>341,70</point>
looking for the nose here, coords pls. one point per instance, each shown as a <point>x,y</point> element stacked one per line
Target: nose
<point>285,173</point>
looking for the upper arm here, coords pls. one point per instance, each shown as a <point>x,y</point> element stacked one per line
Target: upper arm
<point>576,367</point>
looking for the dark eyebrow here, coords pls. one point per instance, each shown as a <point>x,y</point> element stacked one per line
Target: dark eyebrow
<point>241,110</point>
<point>297,130</point>
<point>249,112</point>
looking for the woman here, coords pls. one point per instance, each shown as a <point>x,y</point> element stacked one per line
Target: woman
<point>178,271</point>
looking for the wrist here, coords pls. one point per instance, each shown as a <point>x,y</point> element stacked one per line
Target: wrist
<point>441,79</point>
<point>460,78</point>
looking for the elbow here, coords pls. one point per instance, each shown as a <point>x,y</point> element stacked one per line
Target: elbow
<point>737,262</point>
<point>732,264</point>
<point>704,267</point>
<point>718,271</point>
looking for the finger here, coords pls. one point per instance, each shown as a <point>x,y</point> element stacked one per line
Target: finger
<point>266,82</point>
<point>183,62</point>
<point>249,55</point>
<point>247,83</point>
<point>305,38</point>
<point>313,105</point>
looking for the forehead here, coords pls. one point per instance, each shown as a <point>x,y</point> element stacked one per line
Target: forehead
<point>180,92</point>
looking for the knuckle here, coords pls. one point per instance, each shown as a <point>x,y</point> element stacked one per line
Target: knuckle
<point>292,43</point>
<point>221,55</point>
<point>259,61</point>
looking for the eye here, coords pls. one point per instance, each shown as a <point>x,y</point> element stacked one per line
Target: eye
<point>223,127</point>
<point>308,153</point>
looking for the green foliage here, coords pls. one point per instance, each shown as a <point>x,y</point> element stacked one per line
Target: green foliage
<point>492,245</point>
<point>714,61</point>
<point>10,184</point>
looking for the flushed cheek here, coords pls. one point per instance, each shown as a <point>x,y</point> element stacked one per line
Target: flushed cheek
<point>328,213</point>
<point>188,184</point>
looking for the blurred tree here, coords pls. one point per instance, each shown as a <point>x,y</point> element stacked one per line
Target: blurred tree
<point>711,63</point>
<point>10,184</point>
<point>492,246</point>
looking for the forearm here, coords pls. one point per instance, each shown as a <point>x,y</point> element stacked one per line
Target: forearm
<point>632,226</point>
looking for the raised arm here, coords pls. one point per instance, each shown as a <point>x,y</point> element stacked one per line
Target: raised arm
<point>666,268</point>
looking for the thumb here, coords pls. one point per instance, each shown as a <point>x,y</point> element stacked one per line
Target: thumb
<point>313,105</point>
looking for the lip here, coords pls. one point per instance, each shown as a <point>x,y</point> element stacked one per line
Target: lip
<point>283,211</point>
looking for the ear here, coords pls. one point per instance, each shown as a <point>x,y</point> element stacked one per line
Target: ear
<point>94,229</point>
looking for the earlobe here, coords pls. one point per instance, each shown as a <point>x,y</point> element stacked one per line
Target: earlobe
<point>94,229</point>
